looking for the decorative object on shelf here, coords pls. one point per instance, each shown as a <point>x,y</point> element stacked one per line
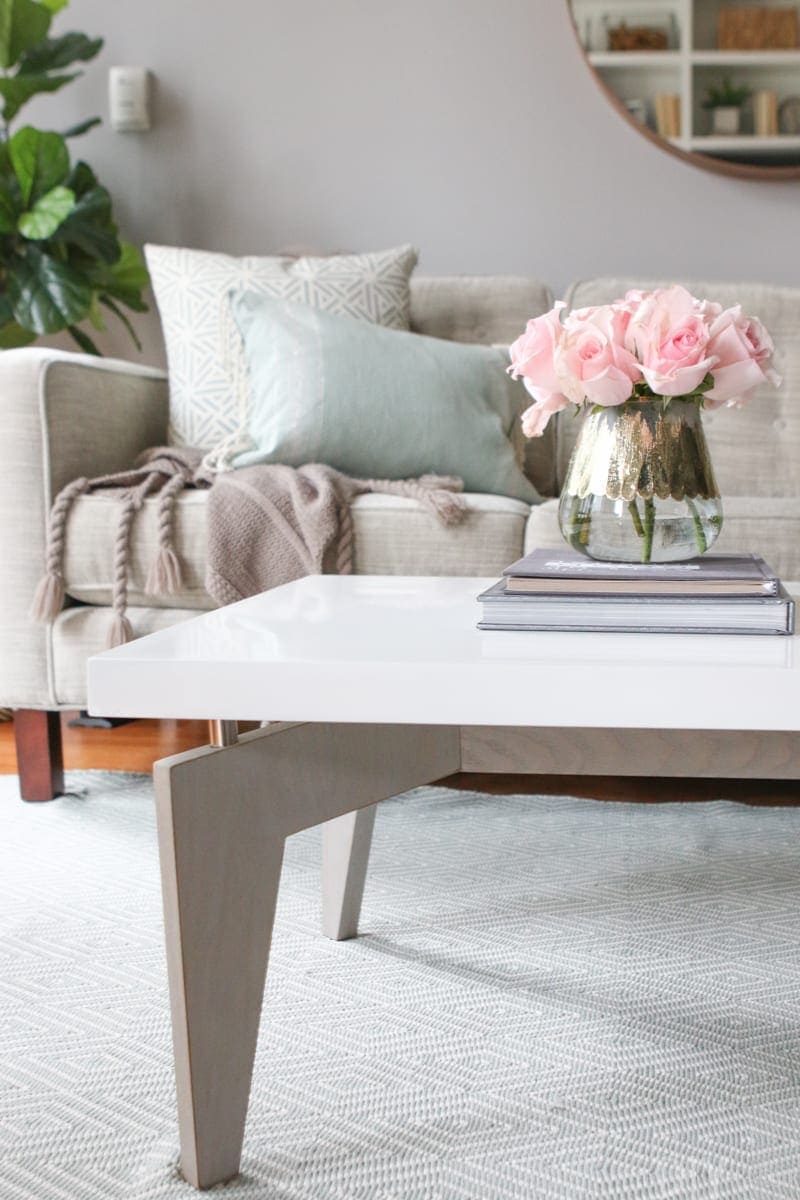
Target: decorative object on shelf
<point>640,486</point>
<point>789,116</point>
<point>668,114</point>
<point>637,109</point>
<point>61,259</point>
<point>753,28</point>
<point>725,101</point>
<point>765,113</point>
<point>637,31</point>
<point>639,37</point>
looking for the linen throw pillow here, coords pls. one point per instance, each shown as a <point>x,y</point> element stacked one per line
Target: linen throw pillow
<point>209,390</point>
<point>375,402</point>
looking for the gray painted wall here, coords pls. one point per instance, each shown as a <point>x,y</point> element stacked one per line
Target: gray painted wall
<point>469,127</point>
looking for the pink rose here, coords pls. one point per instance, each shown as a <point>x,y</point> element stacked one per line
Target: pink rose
<point>626,307</point>
<point>743,350</point>
<point>535,418</point>
<point>631,300</point>
<point>670,338</point>
<point>533,354</point>
<point>592,362</point>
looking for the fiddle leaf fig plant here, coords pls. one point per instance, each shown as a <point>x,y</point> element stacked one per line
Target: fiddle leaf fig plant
<point>62,261</point>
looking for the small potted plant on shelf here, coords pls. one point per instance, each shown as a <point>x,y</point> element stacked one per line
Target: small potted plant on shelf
<point>725,104</point>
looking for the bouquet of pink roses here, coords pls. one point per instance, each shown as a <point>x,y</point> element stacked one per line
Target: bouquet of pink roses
<point>663,344</point>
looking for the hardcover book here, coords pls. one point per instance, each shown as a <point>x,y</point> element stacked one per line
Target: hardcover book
<point>567,572</point>
<point>637,614</point>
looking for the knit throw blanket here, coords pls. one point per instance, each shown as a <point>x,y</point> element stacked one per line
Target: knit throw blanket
<point>266,526</point>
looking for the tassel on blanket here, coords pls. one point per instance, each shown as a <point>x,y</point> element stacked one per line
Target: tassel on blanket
<point>165,577</point>
<point>120,631</point>
<point>444,496</point>
<point>165,470</point>
<point>48,599</point>
<point>439,493</point>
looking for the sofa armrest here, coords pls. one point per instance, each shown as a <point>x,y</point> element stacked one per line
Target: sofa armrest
<point>61,415</point>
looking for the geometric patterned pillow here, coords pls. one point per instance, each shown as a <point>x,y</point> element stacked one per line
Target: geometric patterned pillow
<point>209,390</point>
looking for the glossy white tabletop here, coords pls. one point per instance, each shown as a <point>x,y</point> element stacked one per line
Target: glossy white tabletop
<point>406,650</point>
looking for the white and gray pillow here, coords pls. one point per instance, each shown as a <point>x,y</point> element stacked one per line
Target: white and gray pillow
<point>209,390</point>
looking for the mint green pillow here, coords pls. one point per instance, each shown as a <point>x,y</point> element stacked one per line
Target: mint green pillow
<point>377,402</point>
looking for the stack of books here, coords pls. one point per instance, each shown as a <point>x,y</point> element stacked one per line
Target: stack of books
<point>563,590</point>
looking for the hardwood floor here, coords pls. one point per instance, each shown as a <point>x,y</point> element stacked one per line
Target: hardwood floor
<point>137,745</point>
<point>131,747</point>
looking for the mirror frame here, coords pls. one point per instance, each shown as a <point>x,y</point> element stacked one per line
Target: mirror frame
<point>704,162</point>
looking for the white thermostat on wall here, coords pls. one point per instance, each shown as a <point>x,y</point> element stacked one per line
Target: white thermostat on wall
<point>129,99</point>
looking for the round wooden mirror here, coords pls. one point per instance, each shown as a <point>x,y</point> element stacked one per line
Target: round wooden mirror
<point>714,81</point>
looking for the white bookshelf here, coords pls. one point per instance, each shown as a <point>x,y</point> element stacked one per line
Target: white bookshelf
<point>688,68</point>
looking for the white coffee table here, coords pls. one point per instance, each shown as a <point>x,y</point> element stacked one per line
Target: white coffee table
<point>377,685</point>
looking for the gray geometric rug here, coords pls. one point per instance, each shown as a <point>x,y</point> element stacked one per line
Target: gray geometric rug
<point>553,999</point>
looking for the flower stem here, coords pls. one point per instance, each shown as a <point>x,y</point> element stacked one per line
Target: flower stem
<point>699,532</point>
<point>649,529</point>
<point>633,509</point>
<point>580,522</point>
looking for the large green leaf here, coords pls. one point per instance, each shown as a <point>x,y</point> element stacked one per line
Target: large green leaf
<point>49,211</point>
<point>46,295</point>
<point>91,228</point>
<point>18,90</point>
<point>124,280</point>
<point>84,341</point>
<point>40,161</point>
<point>55,6</point>
<point>23,23</point>
<point>12,336</point>
<point>81,127</point>
<point>81,178</point>
<point>53,54</point>
<point>117,311</point>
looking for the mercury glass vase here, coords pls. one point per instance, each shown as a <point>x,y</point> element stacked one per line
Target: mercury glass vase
<point>640,486</point>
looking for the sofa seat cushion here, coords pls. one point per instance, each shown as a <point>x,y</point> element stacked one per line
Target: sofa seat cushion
<point>79,632</point>
<point>393,536</point>
<point>751,524</point>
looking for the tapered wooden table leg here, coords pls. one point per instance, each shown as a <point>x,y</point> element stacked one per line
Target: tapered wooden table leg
<point>220,868</point>
<point>223,816</point>
<point>345,854</point>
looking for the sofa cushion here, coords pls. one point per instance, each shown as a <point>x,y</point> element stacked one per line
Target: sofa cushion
<point>79,632</point>
<point>756,449</point>
<point>393,536</point>
<point>764,525</point>
<point>207,372</point>
<point>376,402</point>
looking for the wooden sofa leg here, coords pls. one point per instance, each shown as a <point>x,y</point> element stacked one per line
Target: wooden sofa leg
<point>39,758</point>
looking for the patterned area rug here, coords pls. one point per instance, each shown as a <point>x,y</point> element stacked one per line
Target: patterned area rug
<point>553,1000</point>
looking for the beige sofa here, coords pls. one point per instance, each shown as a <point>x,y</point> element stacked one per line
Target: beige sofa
<point>63,415</point>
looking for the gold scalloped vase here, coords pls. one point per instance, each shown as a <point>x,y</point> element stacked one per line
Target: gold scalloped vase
<point>640,486</point>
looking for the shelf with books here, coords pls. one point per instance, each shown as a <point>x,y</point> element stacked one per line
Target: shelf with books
<point>689,55</point>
